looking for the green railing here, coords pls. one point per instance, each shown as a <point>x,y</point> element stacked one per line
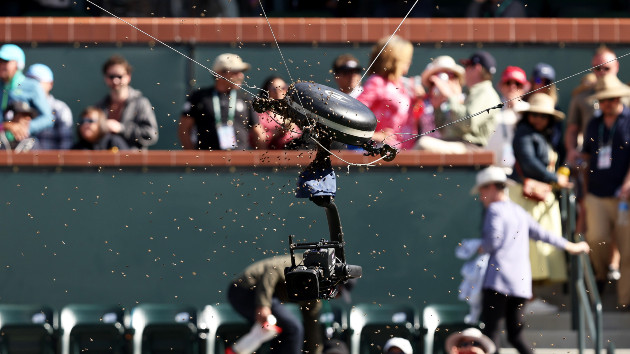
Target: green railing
<point>586,304</point>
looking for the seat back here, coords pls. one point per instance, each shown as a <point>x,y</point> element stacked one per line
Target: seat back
<point>164,328</point>
<point>439,321</point>
<point>371,325</point>
<point>92,328</point>
<point>223,325</point>
<point>26,329</point>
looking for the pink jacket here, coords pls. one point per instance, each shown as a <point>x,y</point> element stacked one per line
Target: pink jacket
<point>391,102</point>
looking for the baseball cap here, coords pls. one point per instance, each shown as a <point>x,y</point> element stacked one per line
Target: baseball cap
<point>40,72</point>
<point>229,62</point>
<point>16,107</point>
<point>484,58</point>
<point>514,73</point>
<point>544,71</point>
<point>346,62</point>
<point>492,174</point>
<point>10,52</point>
<point>398,342</point>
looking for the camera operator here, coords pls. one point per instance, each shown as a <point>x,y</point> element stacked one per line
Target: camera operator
<point>260,290</point>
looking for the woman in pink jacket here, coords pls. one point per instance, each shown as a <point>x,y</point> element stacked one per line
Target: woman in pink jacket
<point>390,95</point>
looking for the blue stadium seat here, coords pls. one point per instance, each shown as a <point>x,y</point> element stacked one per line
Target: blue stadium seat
<point>371,325</point>
<point>439,321</point>
<point>164,328</point>
<point>92,328</point>
<point>26,329</point>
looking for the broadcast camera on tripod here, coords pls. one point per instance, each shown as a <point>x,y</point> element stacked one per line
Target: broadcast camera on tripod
<point>326,115</point>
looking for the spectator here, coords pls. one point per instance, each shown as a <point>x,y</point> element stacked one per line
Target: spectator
<point>347,72</point>
<point>397,345</point>
<point>607,176</point>
<point>61,135</point>
<point>469,341</point>
<point>386,94</point>
<point>278,132</point>
<point>19,113</point>
<point>582,108</point>
<point>543,80</point>
<point>496,8</point>
<point>129,113</point>
<point>222,117</point>
<point>94,133</point>
<point>512,86</point>
<point>473,132</point>
<point>260,290</point>
<point>506,231</point>
<point>17,87</point>
<point>536,160</point>
<point>441,68</point>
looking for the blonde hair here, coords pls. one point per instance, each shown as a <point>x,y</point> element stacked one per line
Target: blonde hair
<point>390,63</point>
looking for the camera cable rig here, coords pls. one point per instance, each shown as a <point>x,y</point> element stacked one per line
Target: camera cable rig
<point>326,115</point>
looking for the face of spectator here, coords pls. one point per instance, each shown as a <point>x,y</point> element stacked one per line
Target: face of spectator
<point>89,128</point>
<point>117,77</point>
<point>347,80</point>
<point>394,350</point>
<point>539,121</point>
<point>611,106</point>
<point>473,74</point>
<point>611,67</point>
<point>231,80</point>
<point>511,89</point>
<point>277,89</point>
<point>468,346</point>
<point>7,69</point>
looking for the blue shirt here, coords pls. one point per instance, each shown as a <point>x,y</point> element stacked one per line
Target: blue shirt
<point>506,231</point>
<point>606,182</point>
<point>25,89</point>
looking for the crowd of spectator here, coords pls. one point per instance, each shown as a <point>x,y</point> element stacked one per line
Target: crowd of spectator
<point>327,8</point>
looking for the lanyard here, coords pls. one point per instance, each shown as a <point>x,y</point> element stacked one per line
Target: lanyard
<point>217,108</point>
<point>610,136</point>
<point>8,87</point>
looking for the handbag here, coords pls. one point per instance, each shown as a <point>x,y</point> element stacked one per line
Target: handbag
<point>534,189</point>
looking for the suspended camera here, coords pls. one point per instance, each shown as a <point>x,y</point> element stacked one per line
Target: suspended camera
<point>327,115</point>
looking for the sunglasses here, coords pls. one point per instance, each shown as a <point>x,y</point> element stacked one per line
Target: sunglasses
<point>112,76</point>
<point>545,82</point>
<point>468,344</point>
<point>602,68</point>
<point>539,115</point>
<point>513,82</point>
<point>88,120</point>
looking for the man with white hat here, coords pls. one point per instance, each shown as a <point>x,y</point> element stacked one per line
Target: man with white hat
<point>469,341</point>
<point>607,175</point>
<point>15,86</point>
<point>506,231</point>
<point>220,117</point>
<point>61,135</point>
<point>397,345</point>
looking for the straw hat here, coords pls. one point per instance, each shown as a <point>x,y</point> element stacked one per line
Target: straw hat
<point>609,86</point>
<point>442,63</point>
<point>543,103</point>
<point>492,174</point>
<point>471,334</point>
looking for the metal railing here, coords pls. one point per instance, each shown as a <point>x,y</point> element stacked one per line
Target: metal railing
<point>586,303</point>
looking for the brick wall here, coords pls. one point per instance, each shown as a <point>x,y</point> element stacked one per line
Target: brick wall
<point>313,30</point>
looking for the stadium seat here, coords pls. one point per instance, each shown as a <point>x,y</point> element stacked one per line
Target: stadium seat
<point>26,329</point>
<point>371,325</point>
<point>223,325</point>
<point>438,321</point>
<point>92,328</point>
<point>334,320</point>
<point>164,328</point>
